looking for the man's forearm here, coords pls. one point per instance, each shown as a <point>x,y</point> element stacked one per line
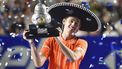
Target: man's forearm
<point>35,55</point>
<point>68,52</point>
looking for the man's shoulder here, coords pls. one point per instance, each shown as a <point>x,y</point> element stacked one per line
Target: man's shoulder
<point>51,38</point>
<point>82,40</point>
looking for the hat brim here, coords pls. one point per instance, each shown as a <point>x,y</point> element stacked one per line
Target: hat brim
<point>89,21</point>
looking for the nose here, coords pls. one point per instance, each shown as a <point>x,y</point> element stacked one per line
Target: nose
<point>74,23</point>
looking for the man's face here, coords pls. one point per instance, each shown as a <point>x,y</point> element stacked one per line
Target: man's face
<point>71,24</point>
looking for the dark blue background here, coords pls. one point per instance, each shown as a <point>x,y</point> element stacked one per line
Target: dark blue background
<point>98,49</point>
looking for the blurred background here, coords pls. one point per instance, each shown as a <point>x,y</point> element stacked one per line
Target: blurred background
<point>104,50</point>
<point>15,15</point>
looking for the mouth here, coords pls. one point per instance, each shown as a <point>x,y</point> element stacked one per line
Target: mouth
<point>72,27</point>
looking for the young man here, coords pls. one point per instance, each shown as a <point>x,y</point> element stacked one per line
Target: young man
<point>65,51</point>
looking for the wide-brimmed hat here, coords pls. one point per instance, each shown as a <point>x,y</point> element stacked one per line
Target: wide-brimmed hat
<point>89,21</point>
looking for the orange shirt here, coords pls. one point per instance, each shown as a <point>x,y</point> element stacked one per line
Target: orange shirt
<point>57,60</point>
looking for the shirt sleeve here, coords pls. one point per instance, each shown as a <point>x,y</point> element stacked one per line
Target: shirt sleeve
<point>82,44</point>
<point>46,47</point>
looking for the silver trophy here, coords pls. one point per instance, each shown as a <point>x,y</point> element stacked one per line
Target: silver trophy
<point>41,23</point>
<point>41,15</point>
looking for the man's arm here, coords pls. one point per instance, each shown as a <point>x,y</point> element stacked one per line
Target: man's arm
<point>38,58</point>
<point>73,55</point>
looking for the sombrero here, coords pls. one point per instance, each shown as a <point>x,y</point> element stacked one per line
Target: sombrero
<point>89,21</point>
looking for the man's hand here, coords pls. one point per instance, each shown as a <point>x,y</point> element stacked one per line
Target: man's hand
<point>24,36</point>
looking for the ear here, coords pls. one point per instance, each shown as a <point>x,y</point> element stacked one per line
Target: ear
<point>63,21</point>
